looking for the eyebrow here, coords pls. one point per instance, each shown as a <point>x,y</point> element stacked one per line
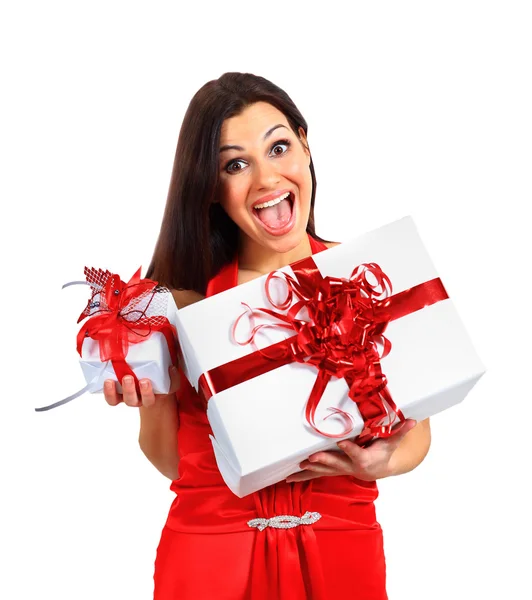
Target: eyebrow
<point>266,135</point>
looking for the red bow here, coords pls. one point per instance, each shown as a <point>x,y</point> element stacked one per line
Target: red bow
<point>341,338</point>
<point>122,318</point>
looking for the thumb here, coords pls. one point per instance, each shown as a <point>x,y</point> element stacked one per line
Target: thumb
<point>175,379</point>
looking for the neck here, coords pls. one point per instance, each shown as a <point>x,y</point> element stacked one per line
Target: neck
<point>254,257</point>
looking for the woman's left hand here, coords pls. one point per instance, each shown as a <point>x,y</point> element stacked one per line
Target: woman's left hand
<point>368,464</point>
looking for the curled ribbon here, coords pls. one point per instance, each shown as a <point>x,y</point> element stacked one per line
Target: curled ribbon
<point>118,319</point>
<point>342,337</point>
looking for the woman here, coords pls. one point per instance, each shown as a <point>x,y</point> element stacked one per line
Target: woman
<point>241,204</point>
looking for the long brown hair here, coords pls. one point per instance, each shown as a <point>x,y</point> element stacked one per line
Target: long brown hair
<point>197,237</point>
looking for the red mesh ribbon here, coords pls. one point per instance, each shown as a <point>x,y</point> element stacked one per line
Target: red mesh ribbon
<point>122,314</point>
<point>343,336</point>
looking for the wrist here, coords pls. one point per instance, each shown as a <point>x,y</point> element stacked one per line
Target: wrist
<point>160,417</point>
<point>396,464</point>
<point>392,467</point>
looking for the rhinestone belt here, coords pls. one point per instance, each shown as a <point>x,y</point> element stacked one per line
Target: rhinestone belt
<point>285,521</point>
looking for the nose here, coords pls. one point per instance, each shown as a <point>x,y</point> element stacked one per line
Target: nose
<point>266,174</point>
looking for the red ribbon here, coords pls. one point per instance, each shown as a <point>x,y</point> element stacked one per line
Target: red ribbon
<point>122,320</point>
<point>342,337</point>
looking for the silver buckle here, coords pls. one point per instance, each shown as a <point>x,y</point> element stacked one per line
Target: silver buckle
<point>285,521</point>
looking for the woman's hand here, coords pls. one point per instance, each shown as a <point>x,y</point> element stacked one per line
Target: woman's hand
<point>130,396</point>
<point>368,464</point>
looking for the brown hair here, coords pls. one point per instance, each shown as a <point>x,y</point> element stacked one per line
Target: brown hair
<point>197,237</point>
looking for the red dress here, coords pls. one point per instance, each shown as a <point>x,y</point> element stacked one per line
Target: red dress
<point>208,551</point>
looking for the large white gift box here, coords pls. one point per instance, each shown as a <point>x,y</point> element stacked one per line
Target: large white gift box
<point>260,434</point>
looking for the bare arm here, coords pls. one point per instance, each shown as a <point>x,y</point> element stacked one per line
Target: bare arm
<point>159,420</point>
<point>411,450</point>
<point>158,435</point>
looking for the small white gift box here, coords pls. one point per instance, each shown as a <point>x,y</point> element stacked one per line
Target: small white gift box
<point>132,319</point>
<point>148,360</point>
<point>260,431</point>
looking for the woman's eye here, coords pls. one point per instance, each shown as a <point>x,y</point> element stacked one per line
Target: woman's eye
<point>231,164</point>
<point>281,143</point>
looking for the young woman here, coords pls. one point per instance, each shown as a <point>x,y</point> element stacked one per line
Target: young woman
<point>241,204</point>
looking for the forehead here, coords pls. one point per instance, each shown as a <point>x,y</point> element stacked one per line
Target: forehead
<point>251,123</point>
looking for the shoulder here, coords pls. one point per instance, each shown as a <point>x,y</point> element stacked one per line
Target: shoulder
<point>186,297</point>
<point>331,244</point>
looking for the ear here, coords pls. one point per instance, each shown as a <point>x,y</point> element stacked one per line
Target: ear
<point>304,141</point>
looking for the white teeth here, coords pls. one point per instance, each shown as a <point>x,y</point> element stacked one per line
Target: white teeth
<point>272,202</point>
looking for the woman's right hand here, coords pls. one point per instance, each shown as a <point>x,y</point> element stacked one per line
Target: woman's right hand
<point>130,396</point>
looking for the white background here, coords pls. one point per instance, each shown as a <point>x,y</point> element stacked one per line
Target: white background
<point>417,108</point>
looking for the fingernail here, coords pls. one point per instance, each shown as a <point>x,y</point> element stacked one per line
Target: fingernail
<point>108,385</point>
<point>144,384</point>
<point>128,379</point>
<point>342,445</point>
<point>173,369</point>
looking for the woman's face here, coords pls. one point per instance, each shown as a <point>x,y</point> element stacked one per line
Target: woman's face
<point>270,163</point>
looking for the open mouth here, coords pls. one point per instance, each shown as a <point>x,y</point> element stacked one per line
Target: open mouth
<point>276,216</point>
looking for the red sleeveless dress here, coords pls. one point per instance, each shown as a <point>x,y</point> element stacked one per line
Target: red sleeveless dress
<point>208,551</point>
